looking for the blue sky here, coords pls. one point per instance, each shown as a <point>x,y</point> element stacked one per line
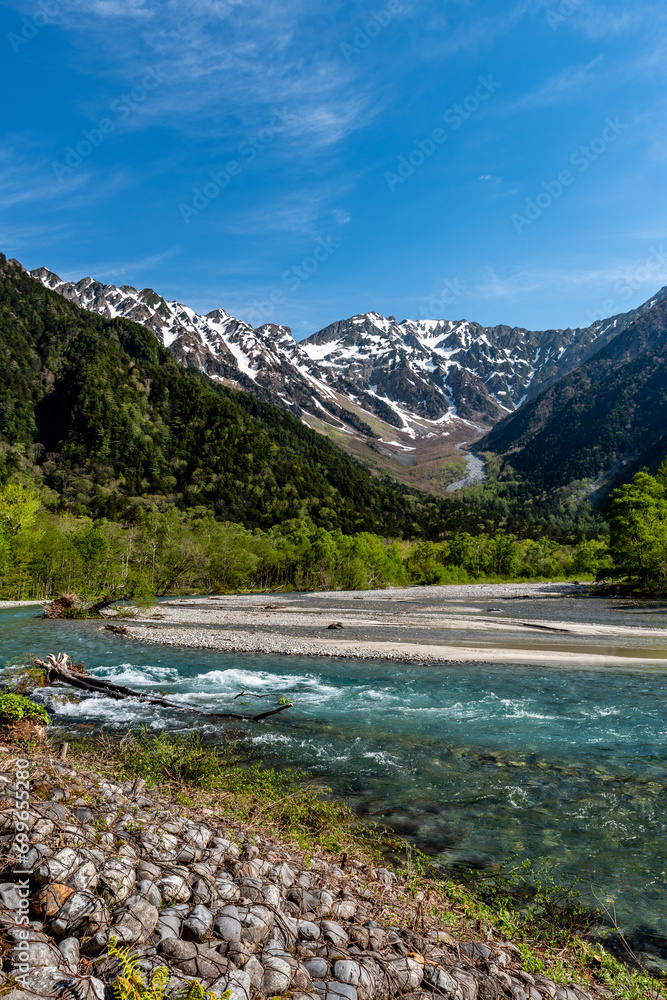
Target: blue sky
<point>300,163</point>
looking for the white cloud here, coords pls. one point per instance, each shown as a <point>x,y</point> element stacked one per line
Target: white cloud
<point>566,85</point>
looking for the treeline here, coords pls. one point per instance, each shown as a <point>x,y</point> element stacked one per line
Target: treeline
<point>42,555</point>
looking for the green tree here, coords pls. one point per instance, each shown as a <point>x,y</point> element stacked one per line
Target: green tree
<point>18,508</point>
<point>637,514</point>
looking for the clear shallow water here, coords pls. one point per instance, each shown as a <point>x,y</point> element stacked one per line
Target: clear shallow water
<point>474,761</point>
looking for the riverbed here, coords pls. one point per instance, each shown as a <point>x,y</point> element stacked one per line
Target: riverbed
<point>474,761</point>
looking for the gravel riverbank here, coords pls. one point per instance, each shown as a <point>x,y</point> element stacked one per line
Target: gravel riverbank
<point>209,900</point>
<point>420,624</point>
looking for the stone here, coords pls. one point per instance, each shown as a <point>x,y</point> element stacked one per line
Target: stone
<point>197,924</point>
<point>255,971</point>
<point>186,854</point>
<point>227,889</point>
<point>57,868</point>
<point>347,972</point>
<point>199,836</point>
<point>206,963</point>
<point>52,981</point>
<point>277,975</point>
<point>173,889</point>
<point>340,991</point>
<point>70,951</point>
<point>176,950</point>
<point>149,890</point>
<point>203,891</point>
<point>308,930</point>
<point>334,933</point>
<point>135,922</point>
<point>116,882</point>
<point>301,978</point>
<point>344,909</point>
<point>82,915</point>
<point>317,967</point>
<point>476,950</point>
<point>168,925</point>
<point>360,936</point>
<point>84,877</point>
<point>238,982</point>
<point>227,924</point>
<point>10,897</point>
<point>271,894</point>
<point>36,954</point>
<point>257,922</point>
<point>35,856</point>
<point>441,980</point>
<point>405,973</point>
<point>467,982</point>
<point>282,873</point>
<point>147,870</point>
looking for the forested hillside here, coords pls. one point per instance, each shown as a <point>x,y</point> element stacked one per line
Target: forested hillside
<point>606,419</point>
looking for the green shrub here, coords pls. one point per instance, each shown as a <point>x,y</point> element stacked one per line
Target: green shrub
<point>14,708</point>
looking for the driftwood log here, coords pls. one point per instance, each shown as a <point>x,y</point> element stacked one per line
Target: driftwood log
<point>60,668</point>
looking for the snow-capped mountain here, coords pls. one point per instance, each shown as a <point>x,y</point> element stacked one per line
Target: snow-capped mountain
<point>413,375</point>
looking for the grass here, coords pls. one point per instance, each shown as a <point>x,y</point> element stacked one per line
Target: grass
<point>524,904</point>
<point>287,803</point>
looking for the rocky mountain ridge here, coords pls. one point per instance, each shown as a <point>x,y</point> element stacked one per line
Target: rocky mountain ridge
<point>403,397</point>
<point>424,369</point>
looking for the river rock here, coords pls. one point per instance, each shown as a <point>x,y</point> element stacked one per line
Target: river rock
<point>116,881</point>
<point>173,889</point>
<point>227,924</point>
<point>308,930</point>
<point>82,915</point>
<point>277,974</point>
<point>405,973</point>
<point>135,922</point>
<point>197,924</point>
<point>317,967</point>
<point>57,868</point>
<point>347,972</point>
<point>70,951</point>
<point>256,923</point>
<point>334,933</point>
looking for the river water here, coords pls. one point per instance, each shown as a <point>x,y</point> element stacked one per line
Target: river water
<point>474,762</point>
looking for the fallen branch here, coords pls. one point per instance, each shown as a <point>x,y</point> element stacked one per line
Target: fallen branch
<point>59,668</point>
